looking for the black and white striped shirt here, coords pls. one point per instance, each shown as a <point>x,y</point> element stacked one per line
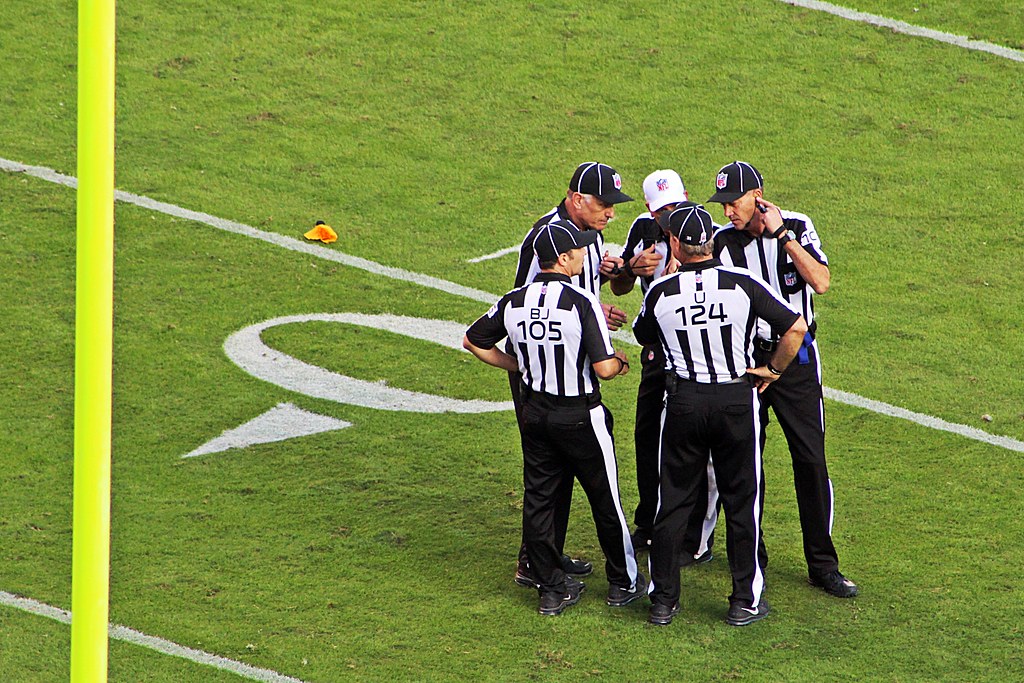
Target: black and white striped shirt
<point>528,267</point>
<point>642,234</point>
<point>705,317</point>
<point>557,333</point>
<point>766,258</point>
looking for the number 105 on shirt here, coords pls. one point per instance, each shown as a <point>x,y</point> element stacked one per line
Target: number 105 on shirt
<point>539,327</point>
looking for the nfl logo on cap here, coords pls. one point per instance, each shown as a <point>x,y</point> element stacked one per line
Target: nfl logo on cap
<point>662,184</point>
<point>722,180</point>
<point>617,179</point>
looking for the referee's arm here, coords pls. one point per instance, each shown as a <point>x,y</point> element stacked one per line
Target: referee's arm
<point>789,345</point>
<point>814,272</point>
<point>492,356</point>
<point>612,367</point>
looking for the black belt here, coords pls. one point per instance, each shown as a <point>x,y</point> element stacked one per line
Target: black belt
<point>585,401</point>
<point>674,382</point>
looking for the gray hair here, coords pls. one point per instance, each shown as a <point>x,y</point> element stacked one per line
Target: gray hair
<point>701,250</point>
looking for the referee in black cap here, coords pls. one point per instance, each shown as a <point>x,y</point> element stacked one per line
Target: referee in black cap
<point>784,249</point>
<point>704,316</point>
<point>647,257</point>
<point>561,346</point>
<point>589,204</point>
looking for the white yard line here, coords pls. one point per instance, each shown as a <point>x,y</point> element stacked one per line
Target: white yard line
<point>924,420</point>
<point>470,293</point>
<point>910,29</point>
<point>291,243</point>
<point>159,644</point>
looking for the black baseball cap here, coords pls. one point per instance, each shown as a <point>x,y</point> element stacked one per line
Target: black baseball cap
<point>690,223</point>
<point>559,237</point>
<point>735,180</point>
<point>600,180</point>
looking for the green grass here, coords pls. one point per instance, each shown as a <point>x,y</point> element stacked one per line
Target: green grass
<point>430,133</point>
<point>993,21</point>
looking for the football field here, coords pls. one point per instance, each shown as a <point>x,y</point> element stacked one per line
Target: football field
<point>313,482</point>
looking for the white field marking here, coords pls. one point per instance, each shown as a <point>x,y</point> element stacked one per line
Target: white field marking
<point>614,249</point>
<point>478,295</point>
<point>283,421</point>
<point>159,644</point>
<point>249,231</point>
<point>247,350</point>
<point>910,29</point>
<point>497,254</point>
<point>926,420</point>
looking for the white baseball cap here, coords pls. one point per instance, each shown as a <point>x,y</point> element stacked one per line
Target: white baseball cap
<point>662,188</point>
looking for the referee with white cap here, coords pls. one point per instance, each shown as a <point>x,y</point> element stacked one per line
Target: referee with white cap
<point>647,257</point>
<point>561,346</point>
<point>704,316</point>
<point>784,249</point>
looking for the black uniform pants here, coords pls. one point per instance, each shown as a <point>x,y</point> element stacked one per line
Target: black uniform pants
<point>720,420</point>
<point>650,402</point>
<point>796,400</point>
<point>559,443</point>
<point>563,497</point>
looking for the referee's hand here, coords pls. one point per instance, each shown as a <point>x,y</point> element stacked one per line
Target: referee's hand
<point>611,266</point>
<point>645,262</point>
<point>772,218</point>
<point>762,377</point>
<point>614,317</point>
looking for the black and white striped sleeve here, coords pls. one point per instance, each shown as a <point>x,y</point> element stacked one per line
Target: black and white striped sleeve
<point>645,325</point>
<point>765,302</point>
<point>489,329</point>
<point>806,235</point>
<point>594,338</point>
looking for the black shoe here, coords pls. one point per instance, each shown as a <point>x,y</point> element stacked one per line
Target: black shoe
<point>741,616</point>
<point>553,604</point>
<point>524,576</point>
<point>619,596</point>
<point>526,579</point>
<point>576,567</point>
<point>834,583</point>
<point>641,540</point>
<point>689,560</point>
<point>661,615</point>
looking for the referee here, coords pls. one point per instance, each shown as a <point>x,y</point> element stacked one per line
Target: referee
<point>704,316</point>
<point>647,257</point>
<point>589,204</point>
<point>561,346</point>
<point>784,249</point>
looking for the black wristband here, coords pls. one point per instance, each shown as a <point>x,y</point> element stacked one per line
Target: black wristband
<point>771,369</point>
<point>780,232</point>
<point>784,239</point>
<point>626,266</point>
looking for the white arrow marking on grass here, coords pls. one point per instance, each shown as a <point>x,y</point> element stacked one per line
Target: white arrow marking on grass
<point>159,644</point>
<point>459,290</point>
<point>283,421</point>
<point>910,29</point>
